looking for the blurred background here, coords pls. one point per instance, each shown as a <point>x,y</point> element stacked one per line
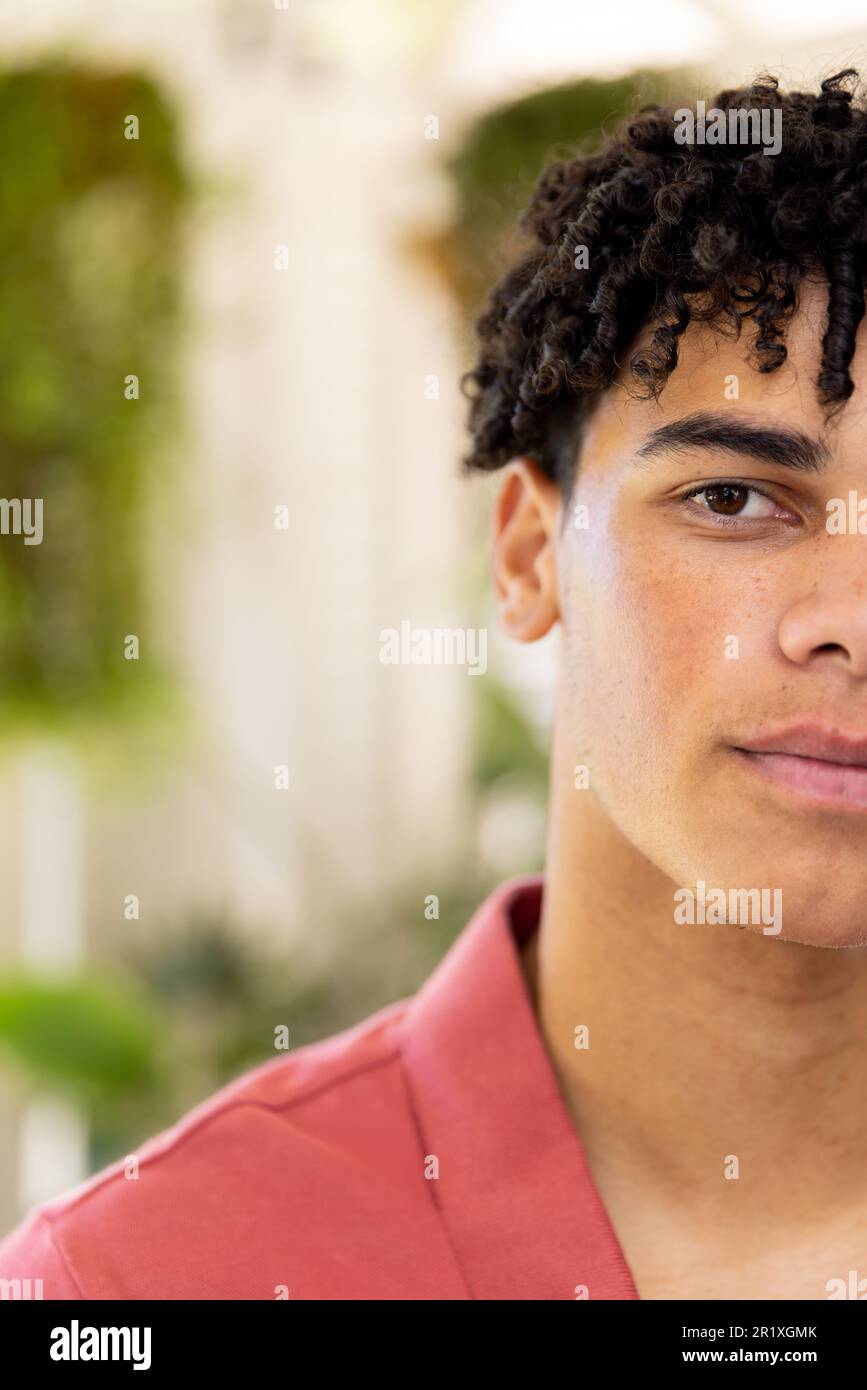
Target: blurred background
<point>242,247</point>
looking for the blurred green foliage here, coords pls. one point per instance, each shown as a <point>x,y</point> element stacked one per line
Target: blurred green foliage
<point>90,232</point>
<point>90,241</point>
<point>198,1005</point>
<point>91,1039</point>
<point>504,742</point>
<point>502,155</point>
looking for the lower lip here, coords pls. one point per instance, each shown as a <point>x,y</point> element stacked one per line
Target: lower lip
<point>835,785</point>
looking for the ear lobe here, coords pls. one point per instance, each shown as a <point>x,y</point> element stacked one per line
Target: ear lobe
<point>526,523</point>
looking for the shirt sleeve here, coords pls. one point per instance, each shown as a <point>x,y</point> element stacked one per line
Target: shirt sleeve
<point>32,1265</point>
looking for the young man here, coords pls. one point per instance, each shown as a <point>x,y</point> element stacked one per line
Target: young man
<point>648,1079</point>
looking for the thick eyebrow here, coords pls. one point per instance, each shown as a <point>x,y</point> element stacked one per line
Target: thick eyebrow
<point>789,448</point>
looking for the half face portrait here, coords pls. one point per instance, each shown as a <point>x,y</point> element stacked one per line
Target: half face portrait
<point>433,671</point>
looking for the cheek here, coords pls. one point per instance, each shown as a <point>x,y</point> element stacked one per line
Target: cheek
<point>647,642</point>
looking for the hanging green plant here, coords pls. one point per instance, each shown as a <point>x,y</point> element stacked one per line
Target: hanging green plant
<point>92,193</point>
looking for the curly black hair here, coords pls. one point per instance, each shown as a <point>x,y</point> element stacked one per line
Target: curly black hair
<point>674,232</point>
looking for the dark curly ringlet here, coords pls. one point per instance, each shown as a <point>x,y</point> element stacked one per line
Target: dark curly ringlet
<point>675,233</point>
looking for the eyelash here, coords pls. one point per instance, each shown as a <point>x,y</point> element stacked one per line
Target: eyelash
<point>729,522</point>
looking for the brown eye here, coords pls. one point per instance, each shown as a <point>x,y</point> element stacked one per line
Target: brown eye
<point>726,499</point>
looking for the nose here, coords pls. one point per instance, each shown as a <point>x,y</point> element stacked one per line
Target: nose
<point>829,625</point>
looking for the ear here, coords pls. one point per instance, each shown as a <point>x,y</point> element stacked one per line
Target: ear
<point>526,525</point>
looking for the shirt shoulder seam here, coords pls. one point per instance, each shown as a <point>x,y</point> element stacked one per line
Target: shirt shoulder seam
<point>422,1138</point>
<point>61,1255</point>
<point>238,1103</point>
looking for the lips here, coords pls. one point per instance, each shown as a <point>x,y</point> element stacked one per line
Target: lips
<point>812,741</point>
<point>824,766</point>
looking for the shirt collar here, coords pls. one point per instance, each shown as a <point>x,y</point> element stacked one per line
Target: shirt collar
<point>514,1189</point>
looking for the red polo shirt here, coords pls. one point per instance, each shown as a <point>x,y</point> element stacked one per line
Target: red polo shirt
<point>426,1153</point>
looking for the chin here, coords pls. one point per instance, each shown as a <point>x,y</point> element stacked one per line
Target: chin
<point>777,888</point>
<point>840,942</point>
<point>834,936</point>
<point>811,924</point>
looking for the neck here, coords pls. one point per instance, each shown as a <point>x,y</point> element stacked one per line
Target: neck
<point>704,1042</point>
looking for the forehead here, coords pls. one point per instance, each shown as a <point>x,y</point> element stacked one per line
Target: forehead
<point>715,373</point>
